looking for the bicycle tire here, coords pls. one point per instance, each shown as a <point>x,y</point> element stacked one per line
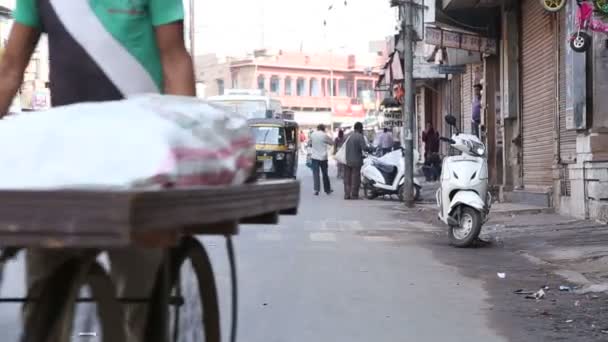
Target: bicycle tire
<point>60,291</point>
<point>191,249</point>
<point>553,5</point>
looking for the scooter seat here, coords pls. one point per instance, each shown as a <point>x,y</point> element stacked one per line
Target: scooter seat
<point>385,168</point>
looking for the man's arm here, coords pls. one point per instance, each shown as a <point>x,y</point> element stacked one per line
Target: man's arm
<point>21,44</point>
<point>178,69</point>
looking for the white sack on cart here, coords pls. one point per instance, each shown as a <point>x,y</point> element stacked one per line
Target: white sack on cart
<point>145,141</point>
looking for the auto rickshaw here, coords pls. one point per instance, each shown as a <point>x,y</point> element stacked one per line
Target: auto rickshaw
<point>276,145</point>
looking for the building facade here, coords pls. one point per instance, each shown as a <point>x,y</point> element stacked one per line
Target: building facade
<point>34,93</point>
<point>544,112</point>
<point>302,82</point>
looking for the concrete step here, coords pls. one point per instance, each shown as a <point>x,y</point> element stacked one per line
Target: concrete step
<point>533,198</point>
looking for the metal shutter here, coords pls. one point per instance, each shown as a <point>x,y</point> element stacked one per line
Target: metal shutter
<point>567,139</point>
<point>467,99</point>
<point>538,93</point>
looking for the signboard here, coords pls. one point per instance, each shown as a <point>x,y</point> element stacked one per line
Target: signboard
<point>432,36</point>
<point>489,46</point>
<point>458,40</point>
<point>451,69</point>
<point>451,39</point>
<point>470,42</point>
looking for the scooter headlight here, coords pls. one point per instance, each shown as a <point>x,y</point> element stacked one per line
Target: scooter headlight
<point>477,149</point>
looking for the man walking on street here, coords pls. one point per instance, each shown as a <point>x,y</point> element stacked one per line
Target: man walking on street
<point>386,141</point>
<point>355,146</point>
<point>320,142</point>
<point>99,51</point>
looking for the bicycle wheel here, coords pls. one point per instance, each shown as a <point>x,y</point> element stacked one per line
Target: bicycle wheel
<point>56,297</point>
<point>553,5</point>
<point>198,310</point>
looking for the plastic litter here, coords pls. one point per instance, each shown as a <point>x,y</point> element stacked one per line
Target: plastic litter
<point>501,275</point>
<point>569,321</point>
<point>540,294</point>
<point>565,288</point>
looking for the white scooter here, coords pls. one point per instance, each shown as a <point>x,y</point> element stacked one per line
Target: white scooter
<point>463,198</point>
<point>385,175</point>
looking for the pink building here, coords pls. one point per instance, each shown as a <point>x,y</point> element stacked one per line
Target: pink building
<point>303,83</point>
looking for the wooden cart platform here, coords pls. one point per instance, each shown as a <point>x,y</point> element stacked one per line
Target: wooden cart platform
<point>101,219</point>
<point>98,220</point>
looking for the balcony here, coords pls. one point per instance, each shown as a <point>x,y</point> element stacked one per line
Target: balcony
<point>316,102</point>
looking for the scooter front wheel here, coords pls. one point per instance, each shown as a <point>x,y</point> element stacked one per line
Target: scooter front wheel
<point>580,41</point>
<point>553,5</point>
<point>468,229</point>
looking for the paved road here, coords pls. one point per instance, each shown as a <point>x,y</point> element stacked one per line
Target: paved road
<point>339,271</point>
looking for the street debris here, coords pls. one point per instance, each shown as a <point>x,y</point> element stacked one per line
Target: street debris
<point>577,303</point>
<point>565,288</point>
<point>523,292</point>
<point>540,294</point>
<point>595,288</point>
<point>605,331</point>
<point>501,275</point>
<point>569,321</point>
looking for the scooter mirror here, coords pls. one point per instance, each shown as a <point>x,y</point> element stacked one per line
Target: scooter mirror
<point>450,119</point>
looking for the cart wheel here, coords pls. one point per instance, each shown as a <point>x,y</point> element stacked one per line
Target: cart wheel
<point>580,41</point>
<point>203,312</point>
<point>57,295</point>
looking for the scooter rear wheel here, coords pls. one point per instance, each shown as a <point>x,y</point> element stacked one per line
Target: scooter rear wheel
<point>369,193</point>
<point>553,5</point>
<point>468,229</point>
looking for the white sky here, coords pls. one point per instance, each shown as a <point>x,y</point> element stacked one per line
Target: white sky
<point>235,27</point>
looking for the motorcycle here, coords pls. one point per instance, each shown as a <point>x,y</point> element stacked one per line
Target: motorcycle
<point>463,198</point>
<point>385,175</point>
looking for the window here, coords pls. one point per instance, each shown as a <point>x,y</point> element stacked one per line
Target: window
<point>261,82</point>
<point>314,87</point>
<point>265,135</point>
<point>363,85</point>
<point>342,88</point>
<point>288,90</point>
<point>324,87</point>
<point>275,84</point>
<point>301,87</point>
<point>220,86</point>
<point>332,87</point>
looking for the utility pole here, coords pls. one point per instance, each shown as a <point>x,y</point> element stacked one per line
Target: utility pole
<point>406,7</point>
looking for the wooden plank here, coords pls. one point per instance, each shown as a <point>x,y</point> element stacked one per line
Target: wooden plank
<point>74,218</point>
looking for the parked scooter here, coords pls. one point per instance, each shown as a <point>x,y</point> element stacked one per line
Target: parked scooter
<point>463,198</point>
<point>385,175</point>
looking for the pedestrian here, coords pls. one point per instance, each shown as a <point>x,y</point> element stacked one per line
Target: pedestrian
<point>99,53</point>
<point>303,141</point>
<point>355,146</point>
<point>385,141</point>
<point>320,142</point>
<point>337,145</point>
<point>430,137</point>
<point>476,109</point>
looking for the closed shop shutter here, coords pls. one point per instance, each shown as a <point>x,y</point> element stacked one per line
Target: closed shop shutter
<point>538,93</point>
<point>467,99</point>
<point>567,139</point>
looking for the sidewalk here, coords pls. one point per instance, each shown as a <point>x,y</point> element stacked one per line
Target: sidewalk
<point>574,249</point>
